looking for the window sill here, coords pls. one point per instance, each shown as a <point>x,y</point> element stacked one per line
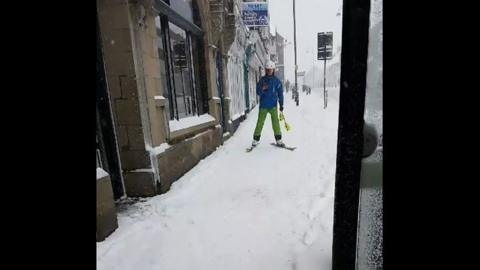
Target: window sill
<point>192,128</point>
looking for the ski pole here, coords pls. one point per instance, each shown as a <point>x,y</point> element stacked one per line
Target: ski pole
<point>282,118</point>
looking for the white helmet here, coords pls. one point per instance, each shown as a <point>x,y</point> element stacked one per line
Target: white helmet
<point>270,65</point>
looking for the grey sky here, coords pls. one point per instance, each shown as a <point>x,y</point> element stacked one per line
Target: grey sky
<point>312,16</point>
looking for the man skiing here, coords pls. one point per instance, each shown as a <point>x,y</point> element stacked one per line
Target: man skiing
<point>270,90</point>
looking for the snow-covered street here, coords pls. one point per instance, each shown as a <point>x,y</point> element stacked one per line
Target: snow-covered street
<point>267,209</point>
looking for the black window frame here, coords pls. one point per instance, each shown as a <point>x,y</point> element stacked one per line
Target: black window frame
<point>353,78</point>
<point>106,148</point>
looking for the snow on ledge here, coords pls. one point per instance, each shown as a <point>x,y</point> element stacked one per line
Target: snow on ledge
<point>191,121</point>
<point>101,173</point>
<point>159,149</point>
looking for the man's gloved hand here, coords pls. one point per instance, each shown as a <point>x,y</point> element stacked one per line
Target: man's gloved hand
<point>281,108</point>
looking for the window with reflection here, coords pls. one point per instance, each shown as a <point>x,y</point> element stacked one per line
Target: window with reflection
<point>182,62</point>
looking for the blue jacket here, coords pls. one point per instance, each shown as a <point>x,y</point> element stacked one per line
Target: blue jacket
<point>272,94</point>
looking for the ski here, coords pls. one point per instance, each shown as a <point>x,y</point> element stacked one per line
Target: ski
<point>249,149</point>
<point>285,147</point>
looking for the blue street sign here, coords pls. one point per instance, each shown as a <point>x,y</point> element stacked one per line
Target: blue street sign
<point>255,14</point>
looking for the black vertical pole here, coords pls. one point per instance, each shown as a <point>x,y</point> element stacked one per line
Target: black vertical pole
<point>295,48</point>
<point>313,65</point>
<point>324,78</point>
<point>355,28</point>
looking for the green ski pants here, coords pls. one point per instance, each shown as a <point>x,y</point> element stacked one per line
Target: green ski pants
<point>262,114</point>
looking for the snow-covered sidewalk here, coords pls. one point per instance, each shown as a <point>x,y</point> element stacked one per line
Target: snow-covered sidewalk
<point>267,209</point>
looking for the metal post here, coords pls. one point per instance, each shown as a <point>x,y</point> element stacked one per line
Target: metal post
<point>295,48</point>
<point>313,65</point>
<point>324,79</point>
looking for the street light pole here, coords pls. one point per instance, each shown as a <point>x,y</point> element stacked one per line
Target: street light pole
<point>313,69</point>
<point>325,77</point>
<point>295,48</point>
